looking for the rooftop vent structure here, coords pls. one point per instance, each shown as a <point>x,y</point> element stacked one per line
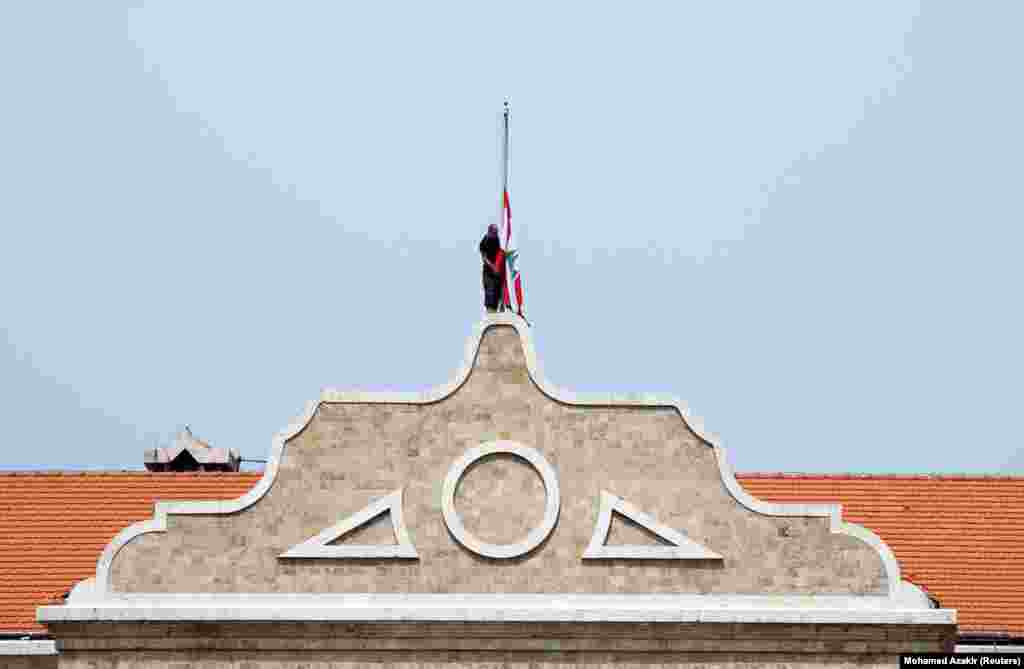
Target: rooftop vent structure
<point>189,454</point>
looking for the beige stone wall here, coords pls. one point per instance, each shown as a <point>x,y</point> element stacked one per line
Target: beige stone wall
<point>28,662</point>
<point>351,454</point>
<point>437,645</point>
<point>466,660</point>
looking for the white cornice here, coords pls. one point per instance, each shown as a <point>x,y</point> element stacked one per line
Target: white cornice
<point>497,607</point>
<point>28,647</point>
<point>987,648</point>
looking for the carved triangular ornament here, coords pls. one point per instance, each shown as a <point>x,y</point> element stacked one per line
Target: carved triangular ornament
<point>681,548</point>
<point>320,546</point>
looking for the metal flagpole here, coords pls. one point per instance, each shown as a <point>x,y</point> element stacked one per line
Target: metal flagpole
<point>502,206</point>
<point>510,279</point>
<point>504,162</point>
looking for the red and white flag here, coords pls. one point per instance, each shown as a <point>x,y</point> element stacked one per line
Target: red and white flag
<point>511,277</point>
<point>508,254</point>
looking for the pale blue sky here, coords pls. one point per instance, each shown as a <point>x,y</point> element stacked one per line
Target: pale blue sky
<point>803,218</point>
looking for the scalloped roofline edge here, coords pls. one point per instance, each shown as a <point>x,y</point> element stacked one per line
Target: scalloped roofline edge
<point>897,588</point>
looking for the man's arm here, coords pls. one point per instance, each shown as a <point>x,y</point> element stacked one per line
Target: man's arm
<point>488,262</point>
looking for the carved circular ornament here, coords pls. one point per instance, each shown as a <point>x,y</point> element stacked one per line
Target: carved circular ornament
<point>551,506</point>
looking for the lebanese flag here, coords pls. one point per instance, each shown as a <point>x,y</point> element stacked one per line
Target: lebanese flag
<point>504,255</point>
<point>517,281</point>
<point>499,262</point>
<point>506,215</point>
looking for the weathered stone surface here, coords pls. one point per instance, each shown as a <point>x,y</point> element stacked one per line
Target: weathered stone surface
<point>497,644</point>
<point>484,495</point>
<point>351,454</point>
<point>148,634</point>
<point>377,531</point>
<point>28,661</point>
<point>554,659</point>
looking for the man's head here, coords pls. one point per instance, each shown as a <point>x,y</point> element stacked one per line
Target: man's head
<point>492,230</point>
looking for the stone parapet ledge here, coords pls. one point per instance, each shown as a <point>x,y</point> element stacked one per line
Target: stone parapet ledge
<point>27,647</point>
<point>510,637</point>
<point>494,608</point>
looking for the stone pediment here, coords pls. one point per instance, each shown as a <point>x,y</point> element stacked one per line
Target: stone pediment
<point>499,494</point>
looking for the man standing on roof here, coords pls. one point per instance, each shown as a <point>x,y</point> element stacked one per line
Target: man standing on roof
<point>490,251</point>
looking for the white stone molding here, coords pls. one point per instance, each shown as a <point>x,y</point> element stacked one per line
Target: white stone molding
<point>158,523</point>
<point>831,511</point>
<point>496,607</point>
<point>86,591</point>
<point>28,647</point>
<point>318,546</point>
<point>834,512</point>
<point>683,548</point>
<point>986,648</point>
<point>911,595</point>
<point>537,535</point>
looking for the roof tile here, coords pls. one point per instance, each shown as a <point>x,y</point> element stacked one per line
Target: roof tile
<point>54,525</point>
<point>960,537</point>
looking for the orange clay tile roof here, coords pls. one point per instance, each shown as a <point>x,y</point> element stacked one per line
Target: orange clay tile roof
<point>53,527</point>
<point>961,538</point>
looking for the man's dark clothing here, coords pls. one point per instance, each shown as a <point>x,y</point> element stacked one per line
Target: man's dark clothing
<point>489,246</point>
